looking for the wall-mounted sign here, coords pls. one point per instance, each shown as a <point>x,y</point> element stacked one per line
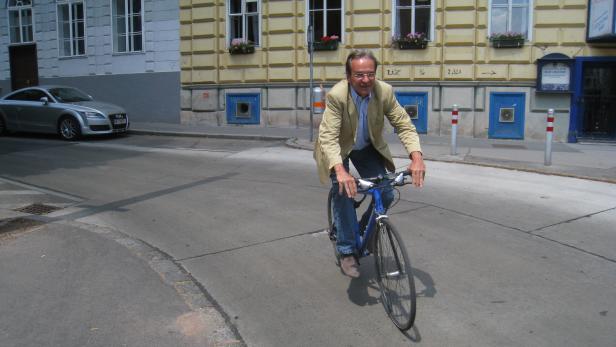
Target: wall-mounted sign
<point>554,73</point>
<point>601,21</point>
<point>555,76</point>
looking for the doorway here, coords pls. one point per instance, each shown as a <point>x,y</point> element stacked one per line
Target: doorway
<point>24,66</point>
<point>598,101</point>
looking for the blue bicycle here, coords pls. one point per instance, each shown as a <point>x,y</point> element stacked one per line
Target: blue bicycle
<point>378,236</point>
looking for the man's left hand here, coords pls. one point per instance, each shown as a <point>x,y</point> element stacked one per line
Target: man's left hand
<point>417,168</point>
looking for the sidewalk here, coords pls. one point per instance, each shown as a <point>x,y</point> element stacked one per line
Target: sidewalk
<point>71,284</point>
<point>593,161</point>
<point>67,283</point>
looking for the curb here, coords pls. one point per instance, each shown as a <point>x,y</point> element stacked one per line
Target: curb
<point>221,330</point>
<point>292,142</point>
<point>172,273</point>
<point>206,135</point>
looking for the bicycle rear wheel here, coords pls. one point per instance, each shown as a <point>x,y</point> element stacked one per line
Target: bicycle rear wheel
<point>394,276</point>
<point>331,227</point>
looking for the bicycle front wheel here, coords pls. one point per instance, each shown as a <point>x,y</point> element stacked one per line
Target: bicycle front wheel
<point>394,276</point>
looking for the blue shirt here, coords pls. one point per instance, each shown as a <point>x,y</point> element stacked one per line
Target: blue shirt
<point>362,139</point>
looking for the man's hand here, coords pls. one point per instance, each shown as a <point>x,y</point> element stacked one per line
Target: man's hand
<point>346,182</point>
<point>417,168</point>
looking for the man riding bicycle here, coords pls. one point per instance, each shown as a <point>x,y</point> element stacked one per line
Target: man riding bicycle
<point>352,128</point>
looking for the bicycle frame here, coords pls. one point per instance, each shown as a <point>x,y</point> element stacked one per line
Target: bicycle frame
<point>378,212</point>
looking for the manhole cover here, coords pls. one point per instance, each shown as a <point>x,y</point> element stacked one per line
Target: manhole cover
<point>39,209</point>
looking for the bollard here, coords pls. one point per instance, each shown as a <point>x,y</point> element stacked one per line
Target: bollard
<point>548,138</point>
<point>454,128</point>
<point>318,99</point>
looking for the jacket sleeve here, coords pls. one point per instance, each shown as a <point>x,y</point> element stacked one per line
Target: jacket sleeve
<point>329,131</point>
<point>401,121</point>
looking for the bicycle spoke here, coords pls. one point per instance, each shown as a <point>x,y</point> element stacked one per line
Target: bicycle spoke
<point>394,277</point>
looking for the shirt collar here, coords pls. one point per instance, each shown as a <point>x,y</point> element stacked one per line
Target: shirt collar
<point>358,99</point>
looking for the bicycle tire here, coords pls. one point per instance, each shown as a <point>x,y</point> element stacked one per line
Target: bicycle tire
<point>331,228</point>
<point>394,276</point>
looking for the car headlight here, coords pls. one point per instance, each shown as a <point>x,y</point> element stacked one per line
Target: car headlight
<point>91,115</point>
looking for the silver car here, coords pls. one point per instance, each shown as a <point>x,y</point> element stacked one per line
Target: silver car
<point>61,110</point>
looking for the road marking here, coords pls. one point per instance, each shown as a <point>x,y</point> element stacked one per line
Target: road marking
<point>177,151</point>
<point>40,189</point>
<point>20,192</point>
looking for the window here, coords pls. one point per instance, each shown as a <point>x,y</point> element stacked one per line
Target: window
<point>69,95</point>
<point>510,16</point>
<point>71,28</point>
<point>20,21</point>
<point>29,95</point>
<point>413,16</point>
<point>244,20</point>
<point>127,23</point>
<point>327,18</point>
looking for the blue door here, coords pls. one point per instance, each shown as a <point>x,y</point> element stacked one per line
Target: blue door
<point>243,108</point>
<point>507,116</point>
<point>415,105</point>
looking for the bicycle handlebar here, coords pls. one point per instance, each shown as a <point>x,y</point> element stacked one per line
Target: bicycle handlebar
<point>370,182</point>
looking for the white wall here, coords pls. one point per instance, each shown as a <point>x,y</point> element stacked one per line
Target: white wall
<point>162,51</point>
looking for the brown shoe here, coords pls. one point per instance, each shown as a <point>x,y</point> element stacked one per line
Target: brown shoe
<point>349,267</point>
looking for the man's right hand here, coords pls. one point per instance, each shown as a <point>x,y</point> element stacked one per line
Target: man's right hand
<point>346,182</point>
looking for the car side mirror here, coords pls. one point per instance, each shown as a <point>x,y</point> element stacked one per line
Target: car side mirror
<point>44,100</point>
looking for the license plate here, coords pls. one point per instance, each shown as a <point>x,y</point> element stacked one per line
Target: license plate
<point>119,121</point>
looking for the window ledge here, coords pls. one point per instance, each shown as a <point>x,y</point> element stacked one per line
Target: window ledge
<point>128,53</point>
<point>71,57</point>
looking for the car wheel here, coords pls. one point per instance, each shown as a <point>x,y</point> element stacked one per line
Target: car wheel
<point>69,129</point>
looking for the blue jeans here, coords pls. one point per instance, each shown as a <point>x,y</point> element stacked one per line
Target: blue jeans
<point>369,163</point>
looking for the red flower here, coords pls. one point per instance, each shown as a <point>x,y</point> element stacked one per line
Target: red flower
<point>329,38</point>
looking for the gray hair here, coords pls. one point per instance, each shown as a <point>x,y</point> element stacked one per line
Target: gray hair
<point>357,54</point>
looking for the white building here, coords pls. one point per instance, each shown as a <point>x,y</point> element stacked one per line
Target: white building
<point>122,51</point>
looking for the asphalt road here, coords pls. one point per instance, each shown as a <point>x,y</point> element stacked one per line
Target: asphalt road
<point>501,258</point>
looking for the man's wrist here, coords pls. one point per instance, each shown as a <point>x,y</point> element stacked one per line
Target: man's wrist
<point>339,168</point>
<point>416,155</point>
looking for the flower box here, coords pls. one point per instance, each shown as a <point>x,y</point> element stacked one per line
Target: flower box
<point>412,45</point>
<point>507,39</point>
<point>507,43</point>
<point>241,46</point>
<point>410,41</point>
<point>326,43</point>
<point>331,45</point>
<point>242,50</point>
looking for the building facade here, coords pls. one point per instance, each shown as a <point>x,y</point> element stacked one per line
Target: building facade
<point>247,62</point>
<point>122,51</point>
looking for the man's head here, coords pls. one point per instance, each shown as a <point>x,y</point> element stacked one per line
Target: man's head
<point>361,71</point>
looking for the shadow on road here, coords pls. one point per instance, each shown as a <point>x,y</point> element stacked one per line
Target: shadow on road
<point>359,291</point>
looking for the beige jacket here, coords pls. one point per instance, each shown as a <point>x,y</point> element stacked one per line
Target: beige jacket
<point>339,126</point>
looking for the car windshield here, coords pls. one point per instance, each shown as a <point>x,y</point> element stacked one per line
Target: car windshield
<point>69,95</point>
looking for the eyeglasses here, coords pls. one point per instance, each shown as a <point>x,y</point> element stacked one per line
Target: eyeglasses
<point>360,75</point>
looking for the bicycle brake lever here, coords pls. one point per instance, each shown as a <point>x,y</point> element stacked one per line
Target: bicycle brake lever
<point>364,184</point>
<point>399,180</point>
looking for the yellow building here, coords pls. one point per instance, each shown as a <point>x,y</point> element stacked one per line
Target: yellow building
<point>480,55</point>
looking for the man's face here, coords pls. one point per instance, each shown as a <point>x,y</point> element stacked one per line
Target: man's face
<point>362,75</point>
